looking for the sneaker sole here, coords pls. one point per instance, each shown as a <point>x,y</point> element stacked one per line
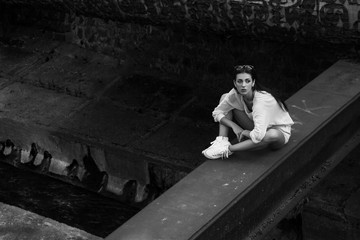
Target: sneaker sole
<point>211,157</point>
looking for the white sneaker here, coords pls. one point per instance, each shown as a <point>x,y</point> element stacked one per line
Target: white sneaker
<point>220,140</point>
<point>218,149</point>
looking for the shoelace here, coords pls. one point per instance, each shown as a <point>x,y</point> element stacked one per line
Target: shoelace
<point>225,154</point>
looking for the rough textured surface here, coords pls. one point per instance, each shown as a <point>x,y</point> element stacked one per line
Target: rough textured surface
<point>334,204</point>
<point>15,223</point>
<point>337,21</point>
<point>330,211</point>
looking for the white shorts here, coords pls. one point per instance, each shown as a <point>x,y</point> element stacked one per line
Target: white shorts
<point>285,130</point>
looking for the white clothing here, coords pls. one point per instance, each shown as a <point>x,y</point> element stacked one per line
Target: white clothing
<point>266,112</point>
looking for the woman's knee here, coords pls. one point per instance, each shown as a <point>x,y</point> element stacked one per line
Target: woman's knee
<point>229,115</point>
<point>275,139</point>
<point>273,135</point>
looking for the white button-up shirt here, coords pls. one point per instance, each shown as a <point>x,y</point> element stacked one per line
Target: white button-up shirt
<point>266,112</point>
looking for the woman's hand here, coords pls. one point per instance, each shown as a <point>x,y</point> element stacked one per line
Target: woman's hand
<point>238,131</point>
<point>245,133</point>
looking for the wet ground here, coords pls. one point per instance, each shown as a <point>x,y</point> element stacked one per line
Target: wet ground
<point>62,202</point>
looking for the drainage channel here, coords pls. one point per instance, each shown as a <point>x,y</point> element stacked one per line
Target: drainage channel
<point>63,202</point>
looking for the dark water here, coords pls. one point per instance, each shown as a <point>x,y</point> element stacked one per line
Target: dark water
<point>74,206</point>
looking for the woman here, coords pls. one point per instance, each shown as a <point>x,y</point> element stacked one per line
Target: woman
<point>257,117</point>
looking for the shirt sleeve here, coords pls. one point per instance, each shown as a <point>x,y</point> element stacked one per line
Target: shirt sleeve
<point>262,108</point>
<point>226,105</point>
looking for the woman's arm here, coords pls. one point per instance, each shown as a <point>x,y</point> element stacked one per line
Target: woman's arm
<point>262,110</point>
<point>227,104</point>
<point>247,144</point>
<point>236,128</point>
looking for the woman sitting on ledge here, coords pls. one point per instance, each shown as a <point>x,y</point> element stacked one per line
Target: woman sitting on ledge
<point>261,118</point>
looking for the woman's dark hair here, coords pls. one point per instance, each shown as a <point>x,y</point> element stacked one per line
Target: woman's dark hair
<point>249,69</point>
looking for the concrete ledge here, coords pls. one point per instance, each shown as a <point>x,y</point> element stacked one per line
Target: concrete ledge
<point>229,199</point>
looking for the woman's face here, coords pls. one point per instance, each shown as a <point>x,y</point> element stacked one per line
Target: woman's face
<point>244,83</point>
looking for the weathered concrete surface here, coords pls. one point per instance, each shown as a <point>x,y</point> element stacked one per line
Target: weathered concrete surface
<point>16,223</point>
<point>329,211</point>
<point>309,18</point>
<point>334,204</point>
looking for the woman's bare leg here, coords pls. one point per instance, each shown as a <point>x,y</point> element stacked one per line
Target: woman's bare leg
<point>243,120</point>
<point>273,138</point>
<point>246,145</point>
<point>224,130</point>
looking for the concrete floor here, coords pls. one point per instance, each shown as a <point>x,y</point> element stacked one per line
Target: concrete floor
<point>19,224</point>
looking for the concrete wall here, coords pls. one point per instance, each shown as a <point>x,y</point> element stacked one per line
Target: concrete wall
<point>334,20</point>
<point>331,210</point>
<point>200,59</point>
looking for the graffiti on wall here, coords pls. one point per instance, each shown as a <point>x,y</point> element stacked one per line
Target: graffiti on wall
<point>259,16</point>
<point>317,17</point>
